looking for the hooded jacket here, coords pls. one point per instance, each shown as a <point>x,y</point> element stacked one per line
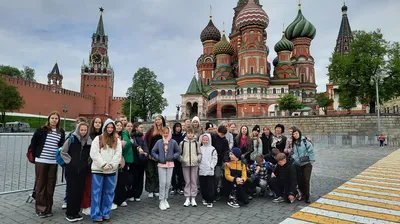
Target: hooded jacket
<point>209,158</point>
<point>76,154</point>
<point>105,155</point>
<point>303,148</point>
<point>158,151</point>
<point>190,152</point>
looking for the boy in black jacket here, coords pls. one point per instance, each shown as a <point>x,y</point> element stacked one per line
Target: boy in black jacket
<point>221,145</point>
<point>283,180</point>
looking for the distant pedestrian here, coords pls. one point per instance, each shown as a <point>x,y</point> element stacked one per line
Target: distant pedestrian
<point>382,139</point>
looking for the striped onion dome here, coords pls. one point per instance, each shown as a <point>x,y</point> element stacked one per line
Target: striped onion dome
<point>251,14</point>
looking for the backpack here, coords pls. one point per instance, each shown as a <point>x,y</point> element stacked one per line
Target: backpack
<point>29,154</point>
<point>195,142</point>
<point>59,159</point>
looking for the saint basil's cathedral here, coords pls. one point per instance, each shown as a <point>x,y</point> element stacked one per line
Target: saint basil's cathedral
<point>234,76</point>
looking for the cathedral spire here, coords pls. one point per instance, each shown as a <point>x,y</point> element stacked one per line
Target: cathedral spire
<point>100,25</point>
<point>345,36</point>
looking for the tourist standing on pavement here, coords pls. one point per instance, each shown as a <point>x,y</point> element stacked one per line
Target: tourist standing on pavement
<point>209,159</point>
<point>196,126</point>
<point>177,181</point>
<point>45,142</point>
<point>382,139</point>
<point>95,130</point>
<point>266,139</point>
<point>221,145</point>
<point>75,154</point>
<point>279,140</point>
<point>245,143</point>
<point>140,155</point>
<point>232,130</point>
<point>106,153</point>
<point>303,156</point>
<point>165,151</point>
<point>152,136</point>
<point>228,136</point>
<point>190,158</point>
<point>257,143</point>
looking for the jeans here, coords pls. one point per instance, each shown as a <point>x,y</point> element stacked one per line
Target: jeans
<point>102,196</point>
<point>164,179</point>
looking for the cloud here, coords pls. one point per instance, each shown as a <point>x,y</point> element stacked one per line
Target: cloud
<point>162,35</point>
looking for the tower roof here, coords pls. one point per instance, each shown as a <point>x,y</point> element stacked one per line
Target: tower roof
<point>252,14</point>
<point>223,46</point>
<point>284,44</point>
<point>100,25</point>
<point>55,70</point>
<point>300,27</point>
<point>345,36</point>
<point>194,87</point>
<point>210,32</point>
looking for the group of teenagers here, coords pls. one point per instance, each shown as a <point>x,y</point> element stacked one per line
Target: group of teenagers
<point>105,163</point>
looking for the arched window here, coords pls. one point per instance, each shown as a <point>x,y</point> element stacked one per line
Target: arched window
<point>229,92</point>
<point>291,93</point>
<point>311,94</point>
<point>282,90</point>
<point>303,94</point>
<point>238,92</point>
<point>251,70</point>
<point>254,90</point>
<point>252,37</point>
<point>297,93</point>
<point>208,81</point>
<point>273,91</point>
<point>223,92</point>
<point>248,90</point>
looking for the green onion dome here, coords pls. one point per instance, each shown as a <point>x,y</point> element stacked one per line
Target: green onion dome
<point>223,47</point>
<point>251,14</point>
<point>210,32</point>
<point>284,44</point>
<point>300,27</point>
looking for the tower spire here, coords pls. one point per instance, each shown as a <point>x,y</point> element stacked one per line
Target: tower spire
<point>299,4</point>
<point>210,12</point>
<point>100,25</point>
<point>345,36</point>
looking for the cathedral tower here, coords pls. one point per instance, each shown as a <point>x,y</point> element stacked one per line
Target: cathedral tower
<point>54,79</point>
<point>345,36</point>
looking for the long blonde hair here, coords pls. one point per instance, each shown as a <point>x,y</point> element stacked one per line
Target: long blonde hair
<point>108,139</point>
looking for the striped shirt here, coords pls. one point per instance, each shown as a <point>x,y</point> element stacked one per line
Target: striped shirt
<point>50,147</point>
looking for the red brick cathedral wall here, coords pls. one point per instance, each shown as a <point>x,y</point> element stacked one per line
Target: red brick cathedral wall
<point>40,99</point>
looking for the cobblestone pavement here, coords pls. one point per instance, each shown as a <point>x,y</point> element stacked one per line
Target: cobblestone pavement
<point>334,166</point>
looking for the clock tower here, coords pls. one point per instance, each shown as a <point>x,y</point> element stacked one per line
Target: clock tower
<point>97,76</point>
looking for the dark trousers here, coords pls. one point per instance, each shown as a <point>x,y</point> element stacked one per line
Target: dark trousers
<point>87,193</point>
<point>280,187</point>
<point>136,189</point>
<point>303,179</point>
<point>46,176</point>
<point>177,182</point>
<point>120,190</point>
<point>238,191</point>
<point>381,143</point>
<point>152,185</point>
<point>207,188</point>
<point>75,188</point>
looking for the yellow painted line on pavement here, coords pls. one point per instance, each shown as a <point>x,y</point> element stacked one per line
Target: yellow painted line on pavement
<point>380,175</point>
<point>367,194</point>
<point>378,179</point>
<point>363,202</point>
<point>376,183</point>
<point>380,189</point>
<point>318,218</point>
<point>364,198</point>
<point>381,171</point>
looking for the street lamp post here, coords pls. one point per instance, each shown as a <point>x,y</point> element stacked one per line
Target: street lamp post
<point>177,111</point>
<point>65,110</point>
<point>378,105</point>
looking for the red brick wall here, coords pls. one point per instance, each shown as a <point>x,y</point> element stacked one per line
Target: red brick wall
<point>116,107</point>
<point>39,99</point>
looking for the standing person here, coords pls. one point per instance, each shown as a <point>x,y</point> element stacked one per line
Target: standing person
<point>221,145</point>
<point>228,136</point>
<point>196,126</point>
<point>382,139</point>
<point>245,143</point>
<point>279,140</point>
<point>236,176</point>
<point>177,181</point>
<point>209,159</point>
<point>257,143</point>
<point>186,125</point>
<point>139,162</point>
<point>75,154</point>
<point>96,127</point>
<point>45,142</point>
<point>209,128</point>
<point>266,139</point>
<point>123,120</point>
<point>165,151</point>
<point>232,129</point>
<point>303,156</point>
<point>190,161</point>
<point>129,173</point>
<point>151,137</point>
<point>106,153</point>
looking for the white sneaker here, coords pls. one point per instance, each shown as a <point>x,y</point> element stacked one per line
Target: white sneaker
<point>162,205</point>
<point>124,204</point>
<point>187,202</point>
<point>209,205</point>
<point>131,199</point>
<point>193,202</point>
<point>137,199</point>
<point>151,195</point>
<point>166,203</point>
<point>86,211</point>
<point>64,206</point>
<point>114,206</point>
<point>156,194</point>
<point>204,202</point>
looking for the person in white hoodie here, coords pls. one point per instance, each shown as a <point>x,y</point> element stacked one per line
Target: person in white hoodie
<point>207,165</point>
<point>106,152</point>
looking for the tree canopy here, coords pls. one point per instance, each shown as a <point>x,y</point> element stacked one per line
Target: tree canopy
<point>290,103</point>
<point>146,95</point>
<point>371,58</point>
<point>27,72</point>
<point>10,99</point>
<point>323,101</point>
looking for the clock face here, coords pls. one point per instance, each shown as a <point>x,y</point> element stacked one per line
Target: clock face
<point>97,57</point>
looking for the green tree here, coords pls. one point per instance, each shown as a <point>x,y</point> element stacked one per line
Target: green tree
<point>146,95</point>
<point>10,71</point>
<point>10,99</point>
<point>290,103</point>
<point>323,101</point>
<point>28,73</point>
<point>347,99</point>
<point>371,58</point>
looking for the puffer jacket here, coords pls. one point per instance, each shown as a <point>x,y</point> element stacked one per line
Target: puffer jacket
<point>209,158</point>
<point>303,148</point>
<point>190,153</point>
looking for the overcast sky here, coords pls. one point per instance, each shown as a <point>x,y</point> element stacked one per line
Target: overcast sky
<point>163,35</point>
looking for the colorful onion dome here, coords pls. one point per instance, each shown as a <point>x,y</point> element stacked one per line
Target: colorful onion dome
<point>210,32</point>
<point>275,62</point>
<point>300,27</point>
<point>242,3</point>
<point>223,47</point>
<point>284,44</point>
<point>251,14</point>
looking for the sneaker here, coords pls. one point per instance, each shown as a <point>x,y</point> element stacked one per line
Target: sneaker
<point>173,192</point>
<point>204,202</point>
<point>166,204</point>
<point>64,206</point>
<point>271,193</point>
<point>114,206</point>
<point>41,214</point>
<point>74,218</point>
<point>187,202</point>
<point>86,211</point>
<point>156,194</point>
<point>193,202</point>
<point>49,214</point>
<point>261,193</point>
<point>124,204</point>
<point>151,195</point>
<point>137,199</point>
<point>278,200</point>
<point>307,200</point>
<point>180,192</point>
<point>131,199</point>
<point>250,197</point>
<point>162,205</point>
<point>233,203</point>
<point>209,205</point>
<point>79,217</point>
